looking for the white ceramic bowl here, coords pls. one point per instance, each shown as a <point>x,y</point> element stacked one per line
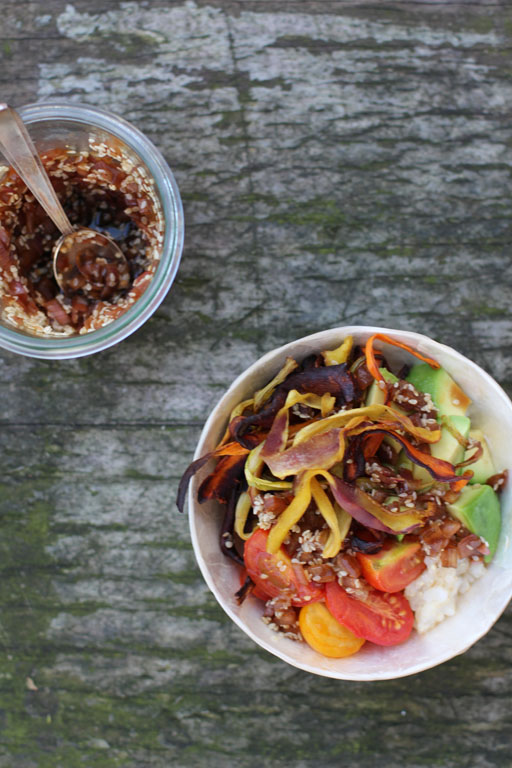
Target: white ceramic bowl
<point>478,609</point>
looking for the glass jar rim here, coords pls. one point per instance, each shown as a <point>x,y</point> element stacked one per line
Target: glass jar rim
<point>102,338</point>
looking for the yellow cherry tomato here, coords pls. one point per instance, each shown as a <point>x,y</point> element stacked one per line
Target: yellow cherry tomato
<point>324,634</point>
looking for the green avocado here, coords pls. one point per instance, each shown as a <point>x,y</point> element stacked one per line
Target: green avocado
<point>447,396</point>
<point>447,448</point>
<point>484,467</point>
<point>478,509</point>
<point>376,395</point>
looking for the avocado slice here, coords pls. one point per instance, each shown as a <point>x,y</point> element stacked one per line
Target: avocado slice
<point>376,395</point>
<point>404,462</point>
<point>478,508</point>
<point>484,467</point>
<point>447,448</point>
<point>446,394</point>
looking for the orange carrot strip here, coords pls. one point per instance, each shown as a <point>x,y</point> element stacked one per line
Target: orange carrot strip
<point>230,449</point>
<point>372,445</point>
<point>371,362</point>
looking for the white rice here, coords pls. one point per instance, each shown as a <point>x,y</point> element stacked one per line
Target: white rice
<point>433,595</point>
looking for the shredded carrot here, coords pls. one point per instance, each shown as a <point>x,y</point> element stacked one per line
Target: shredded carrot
<point>372,445</point>
<point>464,480</point>
<point>230,449</point>
<point>371,362</point>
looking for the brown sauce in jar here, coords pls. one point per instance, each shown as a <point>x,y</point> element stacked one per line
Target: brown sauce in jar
<point>102,190</point>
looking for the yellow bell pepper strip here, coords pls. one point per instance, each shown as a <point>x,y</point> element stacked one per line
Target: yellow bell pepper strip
<point>371,362</point>
<point>230,449</point>
<point>344,520</point>
<point>340,354</point>
<point>266,392</point>
<point>243,507</point>
<point>253,467</point>
<point>336,520</point>
<point>308,487</point>
<point>327,404</point>
<point>353,418</point>
<point>292,514</point>
<point>323,403</point>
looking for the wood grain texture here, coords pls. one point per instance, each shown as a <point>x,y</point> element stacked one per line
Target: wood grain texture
<point>339,163</point>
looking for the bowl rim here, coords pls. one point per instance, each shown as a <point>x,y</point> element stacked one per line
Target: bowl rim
<point>416,340</point>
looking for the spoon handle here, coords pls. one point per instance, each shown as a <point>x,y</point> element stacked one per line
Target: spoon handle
<point>20,152</point>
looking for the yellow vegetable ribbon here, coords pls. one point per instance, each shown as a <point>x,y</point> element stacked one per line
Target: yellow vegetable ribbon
<point>291,514</point>
<point>266,392</point>
<point>253,468</point>
<point>308,487</point>
<point>340,354</point>
<point>243,507</point>
<point>351,419</point>
<point>336,518</point>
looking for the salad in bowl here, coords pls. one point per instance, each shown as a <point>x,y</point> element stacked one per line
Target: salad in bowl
<point>349,502</point>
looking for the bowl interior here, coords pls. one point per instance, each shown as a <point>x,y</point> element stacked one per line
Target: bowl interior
<point>478,609</point>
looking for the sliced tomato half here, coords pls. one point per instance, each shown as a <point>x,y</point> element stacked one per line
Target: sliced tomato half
<point>259,593</point>
<point>382,618</point>
<point>324,634</point>
<point>275,575</point>
<point>394,566</point>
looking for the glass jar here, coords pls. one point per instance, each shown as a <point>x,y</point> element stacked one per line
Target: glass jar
<point>60,124</point>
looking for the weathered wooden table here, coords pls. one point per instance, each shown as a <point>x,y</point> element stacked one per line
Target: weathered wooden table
<point>339,163</point>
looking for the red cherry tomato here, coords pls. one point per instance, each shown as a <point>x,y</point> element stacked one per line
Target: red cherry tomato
<point>259,593</point>
<point>276,575</point>
<point>381,618</point>
<point>394,567</point>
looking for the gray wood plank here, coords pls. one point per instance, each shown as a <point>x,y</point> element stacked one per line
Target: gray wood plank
<point>339,163</point>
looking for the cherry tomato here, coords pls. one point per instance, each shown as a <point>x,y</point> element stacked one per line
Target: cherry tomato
<point>394,566</point>
<point>259,593</point>
<point>324,634</point>
<point>276,575</point>
<point>382,618</point>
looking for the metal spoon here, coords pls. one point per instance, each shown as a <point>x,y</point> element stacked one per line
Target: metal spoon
<point>83,259</point>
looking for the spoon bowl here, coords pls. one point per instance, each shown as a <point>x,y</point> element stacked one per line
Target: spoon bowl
<point>84,261</point>
<point>91,263</point>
